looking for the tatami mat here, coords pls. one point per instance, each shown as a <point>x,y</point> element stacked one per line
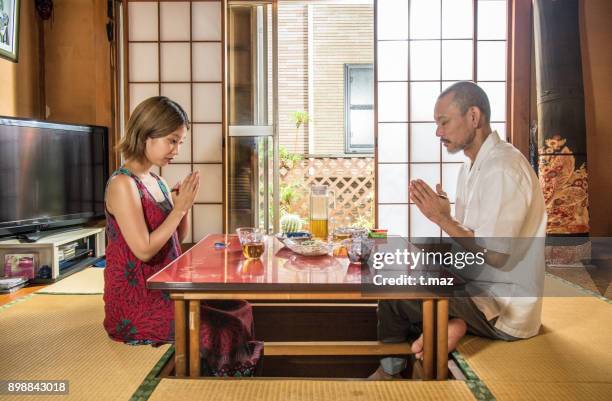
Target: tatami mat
<point>309,390</point>
<point>88,281</point>
<point>574,345</point>
<point>570,360</point>
<point>60,337</point>
<point>505,391</point>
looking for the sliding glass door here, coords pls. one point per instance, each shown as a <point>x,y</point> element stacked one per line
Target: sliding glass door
<point>251,130</point>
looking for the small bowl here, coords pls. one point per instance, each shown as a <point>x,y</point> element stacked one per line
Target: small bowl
<point>344,233</point>
<point>359,249</point>
<point>309,247</point>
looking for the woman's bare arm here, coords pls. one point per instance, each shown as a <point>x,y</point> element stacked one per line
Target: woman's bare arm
<point>123,201</point>
<point>185,224</point>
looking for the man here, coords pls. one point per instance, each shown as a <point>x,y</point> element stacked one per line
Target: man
<point>498,196</point>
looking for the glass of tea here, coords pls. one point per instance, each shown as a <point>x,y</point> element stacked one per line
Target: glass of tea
<point>252,241</point>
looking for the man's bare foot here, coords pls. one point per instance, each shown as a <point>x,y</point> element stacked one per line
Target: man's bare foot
<point>380,374</point>
<point>456,330</point>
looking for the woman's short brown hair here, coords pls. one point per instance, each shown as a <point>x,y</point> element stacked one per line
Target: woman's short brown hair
<point>155,117</point>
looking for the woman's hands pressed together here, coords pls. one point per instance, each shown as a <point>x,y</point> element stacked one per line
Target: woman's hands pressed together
<point>184,193</point>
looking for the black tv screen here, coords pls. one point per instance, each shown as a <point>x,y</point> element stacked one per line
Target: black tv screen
<point>50,174</point>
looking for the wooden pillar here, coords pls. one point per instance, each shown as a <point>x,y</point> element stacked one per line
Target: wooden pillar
<point>180,334</point>
<point>441,339</point>
<point>519,73</point>
<point>428,339</point>
<point>194,338</point>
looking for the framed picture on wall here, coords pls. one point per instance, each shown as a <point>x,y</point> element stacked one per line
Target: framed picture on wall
<point>9,29</point>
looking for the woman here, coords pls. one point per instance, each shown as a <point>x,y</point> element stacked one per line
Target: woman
<point>145,225</point>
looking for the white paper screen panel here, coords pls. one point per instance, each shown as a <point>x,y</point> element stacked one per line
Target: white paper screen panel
<point>175,50</point>
<point>206,20</point>
<point>394,218</point>
<point>394,13</point>
<point>424,60</point>
<point>492,20</point>
<point>393,143</point>
<point>207,143</point>
<point>491,61</point>
<point>457,60</point>
<point>392,101</point>
<point>207,219</point>
<point>142,17</point>
<point>423,47</point>
<point>174,21</point>
<point>393,183</point>
<point>206,61</point>
<point>144,62</point>
<point>393,61</point>
<point>457,19</point>
<point>173,65</point>
<point>425,19</point>
<point>211,183</point>
<point>207,106</point>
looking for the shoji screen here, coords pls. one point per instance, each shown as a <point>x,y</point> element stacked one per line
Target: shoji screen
<point>175,50</point>
<point>423,46</point>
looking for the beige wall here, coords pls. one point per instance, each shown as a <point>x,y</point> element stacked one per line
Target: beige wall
<point>344,34</point>
<point>19,82</point>
<point>76,63</point>
<point>292,74</point>
<point>77,67</point>
<point>596,36</point>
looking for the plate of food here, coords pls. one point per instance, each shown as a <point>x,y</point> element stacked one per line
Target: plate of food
<point>309,247</point>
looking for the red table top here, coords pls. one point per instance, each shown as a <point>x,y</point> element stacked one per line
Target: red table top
<point>204,267</point>
<point>208,269</point>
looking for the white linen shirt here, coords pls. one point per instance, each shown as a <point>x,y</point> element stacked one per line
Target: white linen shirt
<point>499,196</point>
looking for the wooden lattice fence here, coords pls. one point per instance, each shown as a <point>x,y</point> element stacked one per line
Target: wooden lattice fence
<point>350,178</point>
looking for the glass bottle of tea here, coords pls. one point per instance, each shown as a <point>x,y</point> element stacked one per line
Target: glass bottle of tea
<point>320,199</point>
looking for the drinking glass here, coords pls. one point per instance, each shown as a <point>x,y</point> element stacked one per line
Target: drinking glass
<point>252,241</point>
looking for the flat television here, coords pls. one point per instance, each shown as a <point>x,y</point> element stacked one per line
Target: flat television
<point>51,175</point>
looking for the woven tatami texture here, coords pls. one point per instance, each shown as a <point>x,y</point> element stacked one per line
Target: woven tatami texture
<point>88,281</point>
<point>309,390</point>
<point>60,337</point>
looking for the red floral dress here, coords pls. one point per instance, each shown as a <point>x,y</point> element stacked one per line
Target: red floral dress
<point>137,315</point>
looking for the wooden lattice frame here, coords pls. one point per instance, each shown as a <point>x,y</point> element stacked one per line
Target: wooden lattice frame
<point>351,179</point>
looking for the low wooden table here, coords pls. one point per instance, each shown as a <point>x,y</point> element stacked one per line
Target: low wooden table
<point>208,273</point>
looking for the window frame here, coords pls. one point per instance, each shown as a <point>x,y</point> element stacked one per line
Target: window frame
<point>517,96</point>
<point>349,148</point>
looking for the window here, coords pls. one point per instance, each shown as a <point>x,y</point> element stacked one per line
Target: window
<point>424,46</point>
<point>359,108</point>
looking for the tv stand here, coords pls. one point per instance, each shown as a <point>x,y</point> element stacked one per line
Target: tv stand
<point>47,247</point>
<point>35,236</point>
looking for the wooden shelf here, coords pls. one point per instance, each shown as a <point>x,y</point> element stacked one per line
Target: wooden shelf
<point>48,246</point>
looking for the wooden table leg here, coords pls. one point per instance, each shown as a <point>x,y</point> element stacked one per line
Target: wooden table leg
<point>180,344</point>
<point>442,339</point>
<point>194,338</point>
<point>428,339</point>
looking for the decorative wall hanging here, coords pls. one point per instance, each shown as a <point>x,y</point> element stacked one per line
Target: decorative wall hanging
<point>9,29</point>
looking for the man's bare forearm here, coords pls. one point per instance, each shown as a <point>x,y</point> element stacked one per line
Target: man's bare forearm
<point>454,229</point>
<point>465,237</point>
